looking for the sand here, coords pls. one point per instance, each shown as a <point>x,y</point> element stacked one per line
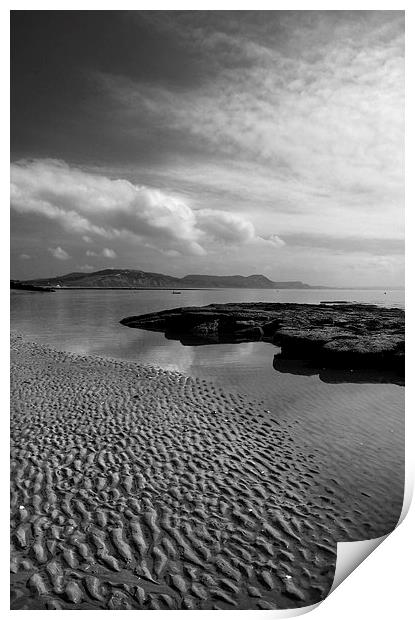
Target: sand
<point>137,488</point>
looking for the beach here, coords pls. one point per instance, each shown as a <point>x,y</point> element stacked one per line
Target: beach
<point>139,488</point>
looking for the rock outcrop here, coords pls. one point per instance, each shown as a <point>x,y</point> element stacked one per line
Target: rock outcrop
<point>23,286</point>
<point>342,335</point>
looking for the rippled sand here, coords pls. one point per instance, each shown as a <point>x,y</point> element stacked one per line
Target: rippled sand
<point>137,488</point>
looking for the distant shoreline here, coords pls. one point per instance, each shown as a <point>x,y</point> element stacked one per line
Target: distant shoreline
<point>217,288</point>
<point>178,288</point>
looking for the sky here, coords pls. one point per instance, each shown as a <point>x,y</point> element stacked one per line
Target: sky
<point>213,142</point>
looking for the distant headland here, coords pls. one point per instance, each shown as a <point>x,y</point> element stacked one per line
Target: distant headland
<point>133,279</point>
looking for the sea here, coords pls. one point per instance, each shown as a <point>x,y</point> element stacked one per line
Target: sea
<point>352,426</point>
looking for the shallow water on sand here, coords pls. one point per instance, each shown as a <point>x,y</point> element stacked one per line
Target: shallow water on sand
<point>356,430</point>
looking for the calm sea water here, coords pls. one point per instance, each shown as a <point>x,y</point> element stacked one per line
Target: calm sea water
<point>354,429</point>
<point>88,322</point>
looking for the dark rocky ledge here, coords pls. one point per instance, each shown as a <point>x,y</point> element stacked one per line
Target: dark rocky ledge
<point>23,286</point>
<point>329,336</point>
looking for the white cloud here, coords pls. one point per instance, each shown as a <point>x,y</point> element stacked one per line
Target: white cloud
<point>108,253</point>
<point>59,253</point>
<point>228,227</point>
<point>24,256</point>
<point>82,202</point>
<point>274,239</point>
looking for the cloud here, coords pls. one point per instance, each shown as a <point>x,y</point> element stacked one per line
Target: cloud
<point>93,205</point>
<point>59,253</point>
<point>227,227</point>
<point>24,256</point>
<point>310,119</point>
<point>106,253</point>
<point>376,247</point>
<point>86,267</point>
<point>274,239</point>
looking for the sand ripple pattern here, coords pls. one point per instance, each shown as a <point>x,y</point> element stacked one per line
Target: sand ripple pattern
<point>137,488</point>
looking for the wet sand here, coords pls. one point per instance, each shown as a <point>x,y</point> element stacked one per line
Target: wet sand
<point>137,488</point>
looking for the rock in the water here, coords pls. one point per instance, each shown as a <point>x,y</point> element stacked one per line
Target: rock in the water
<point>341,335</point>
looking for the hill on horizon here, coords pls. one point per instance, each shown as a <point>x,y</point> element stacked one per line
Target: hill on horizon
<point>131,278</point>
